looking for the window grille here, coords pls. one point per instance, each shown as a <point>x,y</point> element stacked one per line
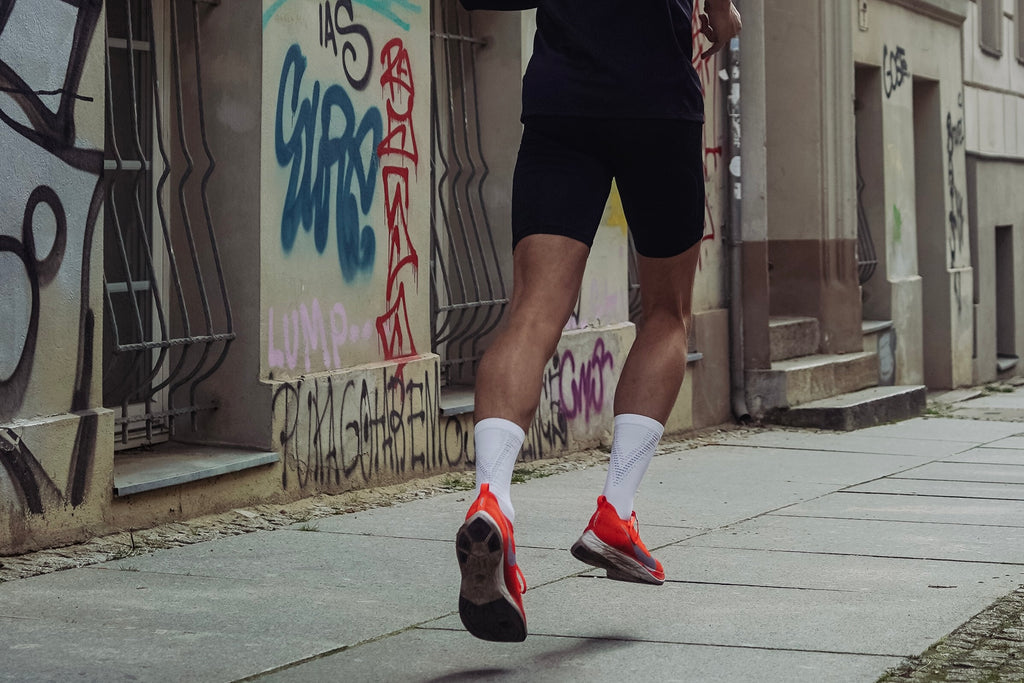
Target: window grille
<point>990,21</point>
<point>867,257</point>
<point>158,349</point>
<point>468,294</point>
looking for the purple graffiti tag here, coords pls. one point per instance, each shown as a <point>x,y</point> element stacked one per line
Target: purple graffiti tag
<point>586,383</point>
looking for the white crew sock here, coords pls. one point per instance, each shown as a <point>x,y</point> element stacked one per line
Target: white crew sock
<point>633,447</point>
<point>497,446</point>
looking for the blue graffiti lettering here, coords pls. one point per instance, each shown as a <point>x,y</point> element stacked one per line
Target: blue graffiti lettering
<point>344,144</point>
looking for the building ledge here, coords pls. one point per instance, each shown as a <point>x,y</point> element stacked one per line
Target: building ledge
<point>175,464</point>
<point>1006,363</point>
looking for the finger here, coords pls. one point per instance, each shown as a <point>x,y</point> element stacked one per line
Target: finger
<point>715,48</point>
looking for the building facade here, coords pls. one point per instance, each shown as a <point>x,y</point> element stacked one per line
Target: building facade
<point>251,252</point>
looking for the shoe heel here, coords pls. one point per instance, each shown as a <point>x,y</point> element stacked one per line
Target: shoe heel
<point>486,608</point>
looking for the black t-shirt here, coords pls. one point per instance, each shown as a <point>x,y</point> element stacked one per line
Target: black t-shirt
<point>609,58</point>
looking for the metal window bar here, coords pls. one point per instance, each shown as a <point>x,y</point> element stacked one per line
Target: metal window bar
<point>140,364</point>
<point>867,258</point>
<point>468,294</point>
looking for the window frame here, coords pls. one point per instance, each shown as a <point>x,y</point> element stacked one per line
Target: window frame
<point>990,12</point>
<point>1018,20</point>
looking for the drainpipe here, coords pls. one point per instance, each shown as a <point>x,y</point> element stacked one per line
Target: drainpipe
<point>734,235</point>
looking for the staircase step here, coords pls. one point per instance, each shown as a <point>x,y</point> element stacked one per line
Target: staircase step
<point>801,380</point>
<point>857,410</point>
<point>813,377</point>
<point>792,337</point>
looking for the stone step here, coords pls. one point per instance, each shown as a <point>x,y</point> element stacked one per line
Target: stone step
<point>856,410</point>
<point>792,337</point>
<point>801,380</point>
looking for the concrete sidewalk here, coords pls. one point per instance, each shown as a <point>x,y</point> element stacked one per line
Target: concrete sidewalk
<point>791,556</point>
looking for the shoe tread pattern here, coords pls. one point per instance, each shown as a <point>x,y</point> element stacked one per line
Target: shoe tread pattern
<point>486,608</point>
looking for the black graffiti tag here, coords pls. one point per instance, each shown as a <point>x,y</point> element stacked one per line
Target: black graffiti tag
<point>896,70</point>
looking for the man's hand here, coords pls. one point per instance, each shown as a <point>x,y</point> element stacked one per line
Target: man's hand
<point>720,23</point>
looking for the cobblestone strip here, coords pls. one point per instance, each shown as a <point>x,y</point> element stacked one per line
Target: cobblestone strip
<point>988,648</point>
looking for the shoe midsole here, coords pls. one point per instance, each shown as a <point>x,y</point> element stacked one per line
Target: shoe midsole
<point>599,554</point>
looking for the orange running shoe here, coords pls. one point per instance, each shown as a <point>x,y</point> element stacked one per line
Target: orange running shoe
<point>490,598</point>
<point>613,544</point>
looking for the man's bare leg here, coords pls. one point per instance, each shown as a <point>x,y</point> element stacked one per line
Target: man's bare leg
<point>652,374</point>
<point>547,272</point>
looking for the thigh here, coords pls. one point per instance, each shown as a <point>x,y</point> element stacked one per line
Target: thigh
<point>659,170</point>
<point>561,181</point>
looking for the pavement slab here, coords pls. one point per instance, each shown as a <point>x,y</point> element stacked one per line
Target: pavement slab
<point>394,571</point>
<point>871,537</point>
<point>736,616</point>
<point>989,455</point>
<point>941,489</point>
<point>983,473</point>
<point>959,583</point>
<point>1014,442</point>
<point>961,511</point>
<point>848,442</point>
<point>944,428</point>
<point>441,655</point>
<point>99,625</point>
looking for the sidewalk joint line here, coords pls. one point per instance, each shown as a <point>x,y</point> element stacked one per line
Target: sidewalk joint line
<point>928,495</point>
<point>653,641</point>
<point>872,555</point>
<point>900,521</point>
<point>960,481</point>
<point>337,650</point>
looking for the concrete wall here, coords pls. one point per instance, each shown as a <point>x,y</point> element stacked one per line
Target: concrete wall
<point>994,139</point>
<point>56,442</point>
<point>910,136</point>
<point>810,188</point>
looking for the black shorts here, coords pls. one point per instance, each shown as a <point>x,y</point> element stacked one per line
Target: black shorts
<point>565,169</point>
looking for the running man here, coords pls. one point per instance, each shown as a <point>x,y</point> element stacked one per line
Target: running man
<point>610,93</point>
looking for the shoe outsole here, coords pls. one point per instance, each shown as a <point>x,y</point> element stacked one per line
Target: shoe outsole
<point>619,566</point>
<point>486,607</point>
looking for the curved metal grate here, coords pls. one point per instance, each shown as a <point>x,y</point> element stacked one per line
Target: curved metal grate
<point>468,294</point>
<point>158,348</point>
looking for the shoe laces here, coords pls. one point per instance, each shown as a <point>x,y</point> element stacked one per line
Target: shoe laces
<point>634,533</point>
<point>520,579</point>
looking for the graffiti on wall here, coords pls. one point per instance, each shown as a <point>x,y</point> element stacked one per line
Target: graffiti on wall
<point>895,71</point>
<point>398,152</point>
<point>713,126</point>
<point>300,335</point>
<point>573,389</point>
<point>347,155</point>
<point>337,25</point>
<point>955,140</point>
<point>46,237</point>
<point>957,224</point>
<point>339,431</point>
<point>331,175</point>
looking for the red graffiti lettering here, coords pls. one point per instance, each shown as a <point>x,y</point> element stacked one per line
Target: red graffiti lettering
<point>713,150</point>
<point>393,328</point>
